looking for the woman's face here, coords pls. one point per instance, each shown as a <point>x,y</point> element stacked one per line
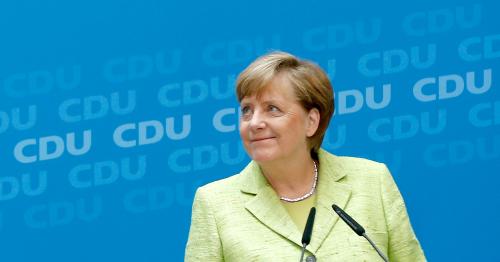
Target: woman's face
<point>274,126</point>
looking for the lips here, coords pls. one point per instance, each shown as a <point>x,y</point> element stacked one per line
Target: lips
<point>261,139</point>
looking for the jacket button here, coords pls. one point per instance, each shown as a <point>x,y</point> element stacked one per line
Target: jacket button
<point>311,258</point>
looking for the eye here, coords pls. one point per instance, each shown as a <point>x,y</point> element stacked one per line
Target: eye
<point>274,111</point>
<point>273,108</point>
<point>245,110</point>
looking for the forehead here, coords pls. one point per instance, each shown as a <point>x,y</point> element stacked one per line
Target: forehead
<point>278,88</point>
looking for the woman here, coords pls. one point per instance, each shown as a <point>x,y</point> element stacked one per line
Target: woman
<point>259,214</point>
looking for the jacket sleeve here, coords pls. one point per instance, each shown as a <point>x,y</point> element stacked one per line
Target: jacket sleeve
<point>403,244</point>
<point>203,243</point>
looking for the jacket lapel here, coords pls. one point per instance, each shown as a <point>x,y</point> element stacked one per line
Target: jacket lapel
<point>266,205</point>
<point>330,191</point>
<point>267,208</point>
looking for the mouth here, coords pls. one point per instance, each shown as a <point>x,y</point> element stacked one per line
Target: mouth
<point>261,139</point>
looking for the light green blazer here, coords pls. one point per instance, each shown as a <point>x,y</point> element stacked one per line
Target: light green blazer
<point>241,218</point>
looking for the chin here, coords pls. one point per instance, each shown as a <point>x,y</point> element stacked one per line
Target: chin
<point>262,156</point>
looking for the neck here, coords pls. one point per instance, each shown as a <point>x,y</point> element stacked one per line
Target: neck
<point>290,178</point>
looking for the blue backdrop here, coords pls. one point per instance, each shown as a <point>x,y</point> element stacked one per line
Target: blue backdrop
<point>112,113</point>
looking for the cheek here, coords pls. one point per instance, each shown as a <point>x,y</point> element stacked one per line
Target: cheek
<point>295,130</point>
<point>243,130</point>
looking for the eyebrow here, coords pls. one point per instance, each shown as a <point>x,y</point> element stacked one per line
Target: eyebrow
<point>268,101</point>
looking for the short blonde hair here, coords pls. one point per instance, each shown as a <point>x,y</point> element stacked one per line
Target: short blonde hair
<point>311,85</point>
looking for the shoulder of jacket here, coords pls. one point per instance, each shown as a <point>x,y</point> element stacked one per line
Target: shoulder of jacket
<point>350,163</point>
<point>359,163</point>
<point>221,186</point>
<point>353,170</point>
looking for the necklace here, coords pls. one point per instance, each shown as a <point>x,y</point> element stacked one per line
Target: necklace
<point>308,194</point>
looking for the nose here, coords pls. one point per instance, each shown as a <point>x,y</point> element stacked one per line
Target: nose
<point>257,121</point>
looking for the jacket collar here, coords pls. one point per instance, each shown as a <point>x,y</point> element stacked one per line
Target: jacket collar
<point>267,208</point>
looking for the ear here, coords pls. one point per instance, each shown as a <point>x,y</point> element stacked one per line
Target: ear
<point>313,118</point>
